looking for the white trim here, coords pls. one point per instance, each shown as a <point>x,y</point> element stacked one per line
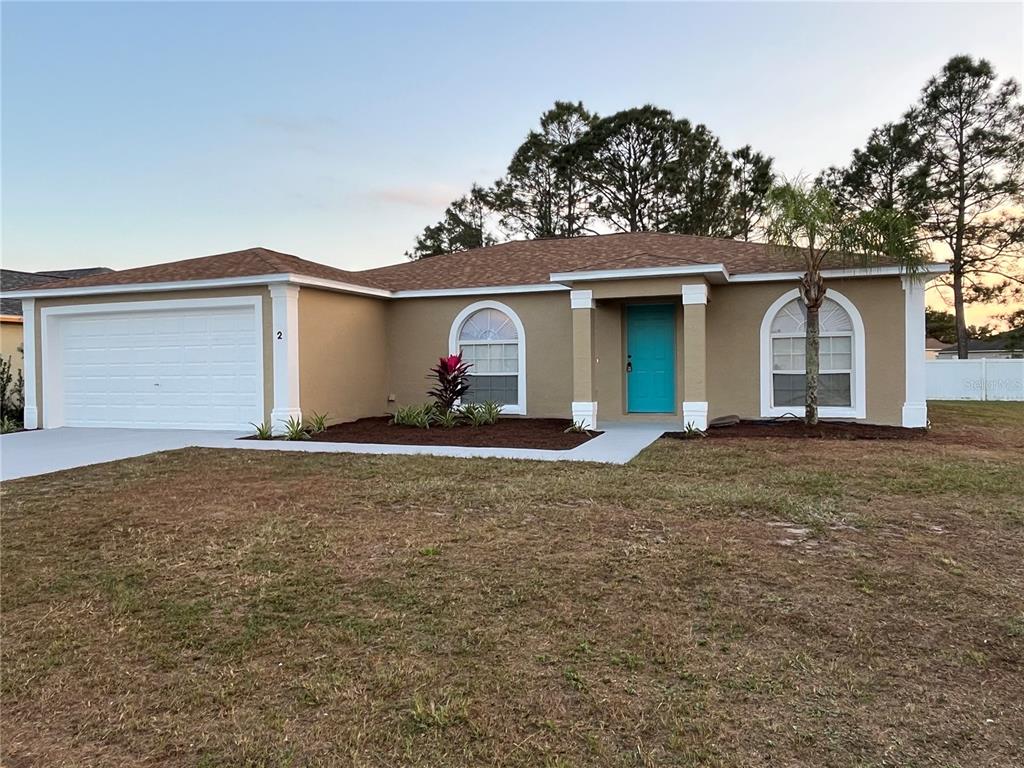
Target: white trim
<point>53,415</point>
<point>453,346</point>
<point>335,285</point>
<point>190,285</point>
<point>30,418</point>
<point>915,405</point>
<point>581,299</point>
<point>585,413</point>
<point>937,268</point>
<point>174,285</point>
<point>717,270</point>
<point>695,294</point>
<point>145,305</point>
<point>858,383</point>
<point>277,278</point>
<point>695,413</point>
<point>481,291</point>
<point>284,333</point>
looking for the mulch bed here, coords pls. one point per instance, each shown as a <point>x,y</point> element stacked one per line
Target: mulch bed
<point>547,434</point>
<point>794,428</point>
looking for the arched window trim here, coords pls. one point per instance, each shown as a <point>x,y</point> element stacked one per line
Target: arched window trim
<point>858,377</point>
<point>456,331</point>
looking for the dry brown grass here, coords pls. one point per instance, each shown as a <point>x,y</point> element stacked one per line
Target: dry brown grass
<point>714,603</point>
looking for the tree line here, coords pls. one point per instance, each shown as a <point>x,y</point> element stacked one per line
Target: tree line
<point>638,170</point>
<point>951,169</point>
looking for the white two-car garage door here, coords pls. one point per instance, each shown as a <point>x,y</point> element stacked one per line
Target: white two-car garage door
<point>189,368</point>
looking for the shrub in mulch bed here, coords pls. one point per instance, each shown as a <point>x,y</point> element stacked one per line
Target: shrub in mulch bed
<point>547,434</point>
<point>795,428</point>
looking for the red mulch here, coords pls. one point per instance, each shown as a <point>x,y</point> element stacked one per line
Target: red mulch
<point>506,433</point>
<point>825,430</point>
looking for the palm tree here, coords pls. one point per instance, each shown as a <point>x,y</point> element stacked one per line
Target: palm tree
<point>805,224</point>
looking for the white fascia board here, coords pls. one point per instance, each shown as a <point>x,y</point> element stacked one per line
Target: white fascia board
<point>717,270</point>
<point>479,291</point>
<point>335,285</point>
<point>938,268</point>
<point>175,285</point>
<point>190,285</point>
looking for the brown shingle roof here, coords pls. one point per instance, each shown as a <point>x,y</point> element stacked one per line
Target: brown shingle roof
<point>527,262</point>
<point>520,262</point>
<point>247,263</point>
<point>15,280</point>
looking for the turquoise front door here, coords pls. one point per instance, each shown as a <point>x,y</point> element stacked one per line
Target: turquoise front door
<point>651,358</point>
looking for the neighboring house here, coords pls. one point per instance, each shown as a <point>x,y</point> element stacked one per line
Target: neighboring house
<point>932,347</point>
<point>10,309</point>
<point>1005,345</point>
<point>601,328</point>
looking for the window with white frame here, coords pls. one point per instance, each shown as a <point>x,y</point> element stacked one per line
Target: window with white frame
<point>489,340</point>
<point>836,355</point>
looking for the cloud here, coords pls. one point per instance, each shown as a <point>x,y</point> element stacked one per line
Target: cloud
<point>431,196</point>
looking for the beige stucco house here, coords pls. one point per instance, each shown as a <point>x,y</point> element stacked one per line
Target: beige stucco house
<point>602,328</point>
<point>10,340</point>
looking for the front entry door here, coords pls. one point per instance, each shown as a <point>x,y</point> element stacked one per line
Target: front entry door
<point>651,358</point>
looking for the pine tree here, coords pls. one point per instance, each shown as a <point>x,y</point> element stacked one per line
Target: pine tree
<point>973,132</point>
<point>464,226</point>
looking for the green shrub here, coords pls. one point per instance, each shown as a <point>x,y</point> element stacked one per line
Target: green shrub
<point>421,416</point>
<point>481,414</point>
<point>263,431</point>
<point>492,411</point>
<point>294,429</point>
<point>12,391</point>
<point>692,432</point>
<point>474,414</point>
<point>317,423</point>
<point>9,425</point>
<point>447,419</point>
<point>577,427</point>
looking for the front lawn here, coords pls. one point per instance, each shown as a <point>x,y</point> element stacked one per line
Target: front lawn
<point>742,602</point>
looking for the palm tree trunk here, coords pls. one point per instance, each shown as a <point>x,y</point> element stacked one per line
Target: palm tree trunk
<point>811,365</point>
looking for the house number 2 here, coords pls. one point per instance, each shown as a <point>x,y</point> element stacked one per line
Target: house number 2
<point>280,334</point>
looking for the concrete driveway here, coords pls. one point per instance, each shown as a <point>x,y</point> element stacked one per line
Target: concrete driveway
<point>36,452</point>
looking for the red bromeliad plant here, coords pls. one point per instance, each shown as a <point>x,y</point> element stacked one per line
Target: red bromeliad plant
<point>452,376</point>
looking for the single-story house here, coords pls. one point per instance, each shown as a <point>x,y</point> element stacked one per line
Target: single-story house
<point>10,309</point>
<point>601,328</point>
<point>1008,345</point>
<point>932,347</point>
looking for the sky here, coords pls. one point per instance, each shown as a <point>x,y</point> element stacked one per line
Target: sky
<point>137,133</point>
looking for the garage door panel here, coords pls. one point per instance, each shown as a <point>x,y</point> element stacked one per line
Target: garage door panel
<point>162,369</point>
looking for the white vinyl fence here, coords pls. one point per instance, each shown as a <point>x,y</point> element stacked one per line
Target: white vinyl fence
<point>979,379</point>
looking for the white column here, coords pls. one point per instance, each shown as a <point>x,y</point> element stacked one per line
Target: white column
<point>285,329</point>
<point>695,406</point>
<point>28,341</point>
<point>915,404</point>
<point>584,406</point>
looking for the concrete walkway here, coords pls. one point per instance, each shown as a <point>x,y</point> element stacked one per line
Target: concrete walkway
<point>25,454</point>
<point>619,443</point>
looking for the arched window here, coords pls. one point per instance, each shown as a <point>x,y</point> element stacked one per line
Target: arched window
<point>490,337</point>
<point>841,357</point>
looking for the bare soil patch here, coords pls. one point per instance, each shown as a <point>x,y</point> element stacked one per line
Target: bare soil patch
<point>795,428</point>
<point>548,434</point>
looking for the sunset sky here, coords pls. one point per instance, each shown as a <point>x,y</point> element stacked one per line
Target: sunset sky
<point>135,133</point>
